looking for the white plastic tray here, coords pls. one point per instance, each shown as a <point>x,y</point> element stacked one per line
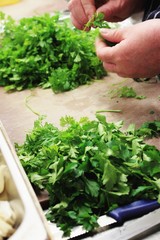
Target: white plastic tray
<point>31,223</point>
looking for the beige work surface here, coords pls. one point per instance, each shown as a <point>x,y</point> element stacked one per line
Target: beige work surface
<point>18,119</point>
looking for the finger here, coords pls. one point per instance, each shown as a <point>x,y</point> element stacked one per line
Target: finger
<point>78,15</point>
<point>107,8</point>
<point>111,67</point>
<point>112,35</point>
<point>74,21</point>
<point>110,10</point>
<point>104,53</point>
<point>89,7</point>
<point>81,12</point>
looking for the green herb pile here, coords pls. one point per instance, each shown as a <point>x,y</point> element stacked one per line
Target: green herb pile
<point>125,92</point>
<point>47,52</point>
<point>89,167</point>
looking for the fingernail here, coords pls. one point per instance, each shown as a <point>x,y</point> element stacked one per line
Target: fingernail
<point>104,30</point>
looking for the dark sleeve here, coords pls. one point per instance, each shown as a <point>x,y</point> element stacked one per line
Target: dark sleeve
<point>152,10</point>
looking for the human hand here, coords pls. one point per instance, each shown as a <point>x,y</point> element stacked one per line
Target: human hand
<point>81,11</point>
<point>114,11</point>
<point>137,54</point>
<point>119,10</point>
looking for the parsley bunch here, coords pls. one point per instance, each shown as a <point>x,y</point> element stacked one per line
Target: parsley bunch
<point>89,167</point>
<point>47,52</point>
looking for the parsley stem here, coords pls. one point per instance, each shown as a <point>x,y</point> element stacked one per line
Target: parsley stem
<point>109,110</point>
<point>89,23</point>
<point>27,105</point>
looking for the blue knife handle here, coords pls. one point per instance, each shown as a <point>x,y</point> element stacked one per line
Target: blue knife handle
<point>133,210</point>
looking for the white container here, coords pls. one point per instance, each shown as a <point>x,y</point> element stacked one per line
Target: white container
<point>30,221</point>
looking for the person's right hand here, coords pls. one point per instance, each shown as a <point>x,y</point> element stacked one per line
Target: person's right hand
<point>136,54</point>
<point>114,10</point>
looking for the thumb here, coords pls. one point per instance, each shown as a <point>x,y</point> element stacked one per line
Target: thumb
<point>111,11</point>
<point>112,35</point>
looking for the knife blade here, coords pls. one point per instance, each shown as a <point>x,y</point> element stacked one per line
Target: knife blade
<point>114,218</point>
<point>145,227</point>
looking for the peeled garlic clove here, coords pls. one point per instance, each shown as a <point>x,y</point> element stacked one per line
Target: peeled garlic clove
<point>6,212</point>
<point>6,229</point>
<point>2,180</point>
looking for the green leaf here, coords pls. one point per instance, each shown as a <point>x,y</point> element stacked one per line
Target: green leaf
<point>91,187</point>
<point>109,177</point>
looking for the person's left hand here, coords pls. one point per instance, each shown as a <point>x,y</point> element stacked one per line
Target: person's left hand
<point>137,54</point>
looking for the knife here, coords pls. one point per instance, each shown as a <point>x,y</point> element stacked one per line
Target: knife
<point>133,210</point>
<point>114,218</point>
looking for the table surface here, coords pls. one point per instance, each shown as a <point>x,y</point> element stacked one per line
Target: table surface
<point>18,118</point>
